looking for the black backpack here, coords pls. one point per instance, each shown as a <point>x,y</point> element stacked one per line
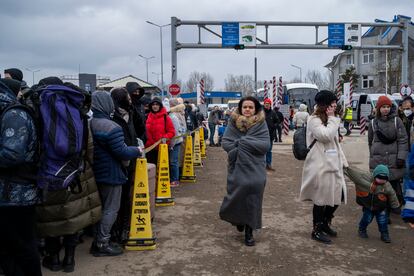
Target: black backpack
<point>299,147</point>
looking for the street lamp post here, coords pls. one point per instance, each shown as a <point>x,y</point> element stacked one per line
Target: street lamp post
<point>300,70</point>
<point>162,68</point>
<point>158,78</point>
<point>146,61</point>
<point>33,73</point>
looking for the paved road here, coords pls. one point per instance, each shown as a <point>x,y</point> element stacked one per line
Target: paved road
<point>192,240</point>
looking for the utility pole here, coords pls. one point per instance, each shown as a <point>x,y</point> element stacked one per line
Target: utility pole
<point>33,73</point>
<point>146,61</point>
<point>300,70</point>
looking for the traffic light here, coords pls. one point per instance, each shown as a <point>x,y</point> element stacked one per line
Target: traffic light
<point>239,46</point>
<point>346,47</point>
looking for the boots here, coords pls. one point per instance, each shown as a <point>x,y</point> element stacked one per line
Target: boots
<point>69,259</point>
<point>52,262</point>
<point>240,228</point>
<point>248,236</point>
<point>326,227</point>
<point>318,234</point>
<point>385,237</point>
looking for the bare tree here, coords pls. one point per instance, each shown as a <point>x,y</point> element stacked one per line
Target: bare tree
<point>194,79</point>
<point>315,77</point>
<point>240,83</point>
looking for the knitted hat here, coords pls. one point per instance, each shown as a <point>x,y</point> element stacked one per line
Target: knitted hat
<point>325,98</point>
<point>15,73</point>
<point>383,100</point>
<point>267,100</point>
<point>381,171</point>
<point>302,107</point>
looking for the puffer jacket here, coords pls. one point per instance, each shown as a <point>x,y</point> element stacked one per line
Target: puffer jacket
<point>387,154</point>
<point>178,118</point>
<point>17,153</point>
<point>369,195</point>
<point>159,125</point>
<point>109,143</point>
<point>65,213</point>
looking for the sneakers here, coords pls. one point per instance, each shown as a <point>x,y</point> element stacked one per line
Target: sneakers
<point>174,184</point>
<point>105,249</point>
<point>269,168</point>
<point>363,234</point>
<point>385,237</point>
<point>326,227</point>
<point>319,235</point>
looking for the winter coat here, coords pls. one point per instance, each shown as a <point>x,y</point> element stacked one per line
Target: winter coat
<point>65,213</point>
<point>159,125</point>
<point>408,211</point>
<point>18,142</point>
<point>322,177</point>
<point>190,118</point>
<point>178,118</point>
<point>109,143</point>
<point>214,117</point>
<point>368,194</point>
<point>280,116</point>
<point>300,118</point>
<point>408,124</point>
<point>387,154</point>
<point>246,141</point>
<point>271,120</point>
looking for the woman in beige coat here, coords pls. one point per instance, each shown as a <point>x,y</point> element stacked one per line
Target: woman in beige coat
<point>322,178</point>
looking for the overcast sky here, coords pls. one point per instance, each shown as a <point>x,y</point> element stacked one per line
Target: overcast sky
<point>105,36</point>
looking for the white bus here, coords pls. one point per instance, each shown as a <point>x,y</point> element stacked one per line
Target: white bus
<point>298,93</point>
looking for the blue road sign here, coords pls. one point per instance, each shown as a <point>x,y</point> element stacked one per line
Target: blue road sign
<point>229,34</point>
<point>336,35</point>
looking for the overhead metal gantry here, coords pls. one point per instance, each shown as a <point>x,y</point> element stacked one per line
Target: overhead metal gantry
<point>264,42</point>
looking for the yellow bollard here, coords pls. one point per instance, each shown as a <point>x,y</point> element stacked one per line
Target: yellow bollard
<point>163,197</point>
<point>188,174</point>
<point>140,231</point>
<point>202,143</point>
<point>197,153</point>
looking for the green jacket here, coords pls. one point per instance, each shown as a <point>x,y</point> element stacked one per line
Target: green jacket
<point>373,197</point>
<point>65,213</point>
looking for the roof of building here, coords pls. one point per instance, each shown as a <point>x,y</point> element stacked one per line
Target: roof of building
<point>121,82</point>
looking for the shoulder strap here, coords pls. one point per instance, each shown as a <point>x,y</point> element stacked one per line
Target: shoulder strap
<point>372,124</point>
<point>165,123</point>
<point>313,143</point>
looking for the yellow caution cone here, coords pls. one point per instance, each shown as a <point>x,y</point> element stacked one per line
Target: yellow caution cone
<point>188,174</point>
<point>163,196</point>
<point>202,143</point>
<point>197,152</point>
<point>140,231</point>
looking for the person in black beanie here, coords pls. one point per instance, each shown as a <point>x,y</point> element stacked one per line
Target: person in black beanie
<point>123,116</point>
<point>13,73</point>
<point>136,93</point>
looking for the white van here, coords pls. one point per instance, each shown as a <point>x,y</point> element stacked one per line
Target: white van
<point>372,99</point>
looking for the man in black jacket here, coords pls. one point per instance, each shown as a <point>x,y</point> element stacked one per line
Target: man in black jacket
<point>279,125</point>
<point>138,113</point>
<point>271,121</point>
<point>407,115</point>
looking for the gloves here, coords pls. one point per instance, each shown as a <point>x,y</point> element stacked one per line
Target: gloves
<point>396,210</point>
<point>400,163</point>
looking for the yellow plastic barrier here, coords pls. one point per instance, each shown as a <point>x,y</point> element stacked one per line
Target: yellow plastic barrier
<point>197,153</point>
<point>140,231</point>
<point>202,143</point>
<point>188,174</point>
<point>163,195</point>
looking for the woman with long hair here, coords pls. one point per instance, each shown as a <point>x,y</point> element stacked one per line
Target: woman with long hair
<point>323,180</point>
<point>246,141</point>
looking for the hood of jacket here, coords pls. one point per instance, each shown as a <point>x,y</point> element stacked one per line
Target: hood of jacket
<point>159,114</point>
<point>102,105</point>
<point>177,108</point>
<point>6,96</point>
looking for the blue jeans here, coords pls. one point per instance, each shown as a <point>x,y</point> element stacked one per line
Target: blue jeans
<point>269,155</point>
<point>212,128</point>
<point>174,166</point>
<point>368,216</point>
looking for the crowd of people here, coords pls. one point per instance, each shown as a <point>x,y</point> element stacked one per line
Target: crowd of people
<point>96,138</point>
<point>97,135</point>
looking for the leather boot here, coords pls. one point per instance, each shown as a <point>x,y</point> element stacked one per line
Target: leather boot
<point>248,236</point>
<point>69,259</point>
<point>240,228</point>
<point>326,227</point>
<point>318,234</point>
<point>52,262</point>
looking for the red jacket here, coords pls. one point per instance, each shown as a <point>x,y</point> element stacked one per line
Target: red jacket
<point>159,125</point>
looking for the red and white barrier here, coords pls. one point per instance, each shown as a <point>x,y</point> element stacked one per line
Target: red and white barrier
<point>202,98</point>
<point>280,96</point>
<point>274,102</point>
<point>286,126</point>
<point>352,87</point>
<point>338,89</point>
<point>362,125</point>
<point>265,90</point>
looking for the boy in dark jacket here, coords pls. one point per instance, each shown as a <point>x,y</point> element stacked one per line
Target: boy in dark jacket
<point>374,193</point>
<point>110,151</point>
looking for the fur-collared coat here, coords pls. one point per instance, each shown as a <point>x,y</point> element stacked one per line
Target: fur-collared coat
<point>323,179</point>
<point>246,141</point>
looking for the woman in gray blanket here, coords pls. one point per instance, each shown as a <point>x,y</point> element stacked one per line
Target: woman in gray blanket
<point>246,141</point>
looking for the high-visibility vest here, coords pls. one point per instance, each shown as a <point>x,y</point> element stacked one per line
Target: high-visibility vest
<point>348,114</point>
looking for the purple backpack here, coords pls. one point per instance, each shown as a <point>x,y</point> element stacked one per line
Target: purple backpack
<point>62,138</point>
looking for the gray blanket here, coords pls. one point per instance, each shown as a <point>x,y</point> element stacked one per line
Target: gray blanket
<point>246,176</point>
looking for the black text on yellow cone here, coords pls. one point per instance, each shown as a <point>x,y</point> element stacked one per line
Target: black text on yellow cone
<point>140,232</point>
<point>188,167</point>
<point>163,197</point>
<point>202,143</point>
<point>197,152</point>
